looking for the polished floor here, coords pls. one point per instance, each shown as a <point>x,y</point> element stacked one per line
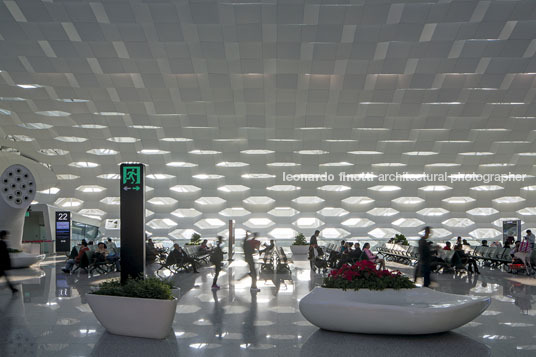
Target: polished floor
<point>50,317</point>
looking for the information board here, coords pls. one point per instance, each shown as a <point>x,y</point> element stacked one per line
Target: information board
<point>63,231</point>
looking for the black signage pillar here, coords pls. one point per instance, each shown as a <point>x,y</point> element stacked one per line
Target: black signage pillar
<point>132,221</point>
<point>63,231</point>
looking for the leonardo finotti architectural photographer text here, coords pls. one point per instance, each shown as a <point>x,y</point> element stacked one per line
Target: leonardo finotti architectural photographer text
<point>405,177</point>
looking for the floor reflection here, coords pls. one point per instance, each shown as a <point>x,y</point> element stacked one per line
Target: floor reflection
<point>119,346</point>
<point>16,338</point>
<point>50,317</point>
<point>446,344</point>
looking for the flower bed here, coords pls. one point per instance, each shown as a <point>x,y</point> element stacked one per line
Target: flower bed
<point>364,275</point>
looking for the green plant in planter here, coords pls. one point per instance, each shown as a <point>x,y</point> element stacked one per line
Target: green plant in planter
<point>150,288</point>
<point>195,239</point>
<point>11,250</point>
<point>300,240</point>
<point>364,275</point>
<point>401,239</point>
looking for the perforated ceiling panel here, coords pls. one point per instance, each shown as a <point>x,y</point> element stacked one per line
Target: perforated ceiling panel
<point>222,98</point>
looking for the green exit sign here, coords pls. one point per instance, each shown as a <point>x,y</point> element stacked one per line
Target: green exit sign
<point>131,175</point>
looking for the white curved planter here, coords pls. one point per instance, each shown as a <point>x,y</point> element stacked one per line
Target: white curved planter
<point>24,260</point>
<point>136,317</point>
<point>404,312</point>
<point>299,249</point>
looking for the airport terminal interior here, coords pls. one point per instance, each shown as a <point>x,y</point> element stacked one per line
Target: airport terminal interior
<point>267,178</point>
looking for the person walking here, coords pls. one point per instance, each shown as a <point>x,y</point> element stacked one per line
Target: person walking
<point>5,260</point>
<point>313,249</point>
<point>425,256</point>
<point>250,245</point>
<point>216,258</point>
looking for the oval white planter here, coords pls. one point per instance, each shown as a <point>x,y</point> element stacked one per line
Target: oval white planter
<point>24,260</point>
<point>299,249</point>
<point>136,317</point>
<point>405,312</point>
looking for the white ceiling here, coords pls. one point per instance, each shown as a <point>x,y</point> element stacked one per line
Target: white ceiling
<point>400,82</point>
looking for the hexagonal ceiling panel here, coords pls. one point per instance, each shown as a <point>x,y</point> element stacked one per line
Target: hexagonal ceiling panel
<point>333,212</point>
<point>258,223</point>
<point>308,223</point>
<point>408,222</point>
<point>219,96</point>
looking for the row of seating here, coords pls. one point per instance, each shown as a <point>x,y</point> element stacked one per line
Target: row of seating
<point>193,251</point>
<point>406,254</point>
<point>276,260</point>
<point>90,264</point>
<point>496,256</point>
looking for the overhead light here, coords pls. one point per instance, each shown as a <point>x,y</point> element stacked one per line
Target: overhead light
<point>110,114</point>
<point>257,152</point>
<point>50,191</point>
<point>70,139</point>
<point>90,126</point>
<point>54,113</point>
<point>181,164</point>
<point>38,126</point>
<point>72,100</point>
<point>311,152</point>
<point>24,138</point>
<point>53,152</point>
<point>232,164</point>
<point>102,152</point>
<point>123,139</point>
<point>207,177</point>
<point>204,152</point>
<point>29,86</point>
<point>83,164</point>
<point>159,176</point>
<point>144,127</point>
<point>283,164</point>
<point>176,139</point>
<point>444,103</point>
<point>153,152</point>
<point>12,99</point>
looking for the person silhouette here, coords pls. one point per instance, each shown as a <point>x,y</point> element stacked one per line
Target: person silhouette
<point>5,260</point>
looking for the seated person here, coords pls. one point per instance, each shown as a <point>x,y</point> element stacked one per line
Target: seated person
<point>343,247</point>
<point>515,249</point>
<point>204,248</point>
<point>345,257</point>
<point>460,259</point>
<point>268,247</point>
<point>112,247</point>
<point>447,246</point>
<point>464,242</point>
<point>485,243</point>
<point>101,252</point>
<point>436,262</point>
<point>74,252</point>
<point>71,262</point>
<point>150,252</point>
<point>367,255</point>
<point>179,257</point>
<point>356,253</point>
<point>110,256</point>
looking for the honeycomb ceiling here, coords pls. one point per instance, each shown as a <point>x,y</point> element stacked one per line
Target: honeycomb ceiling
<point>221,98</point>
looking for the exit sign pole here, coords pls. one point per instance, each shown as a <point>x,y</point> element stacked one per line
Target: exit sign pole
<point>132,200</point>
